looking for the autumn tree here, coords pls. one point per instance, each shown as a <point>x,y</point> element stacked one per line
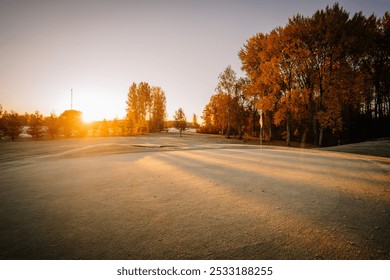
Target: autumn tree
<point>207,126</point>
<point>158,109</point>
<point>215,115</point>
<point>327,44</point>
<point>118,127</point>
<point>257,62</point>
<point>146,108</point>
<point>180,120</point>
<point>132,109</point>
<point>104,128</point>
<point>227,81</point>
<point>318,74</point>
<point>195,121</point>
<point>137,107</point>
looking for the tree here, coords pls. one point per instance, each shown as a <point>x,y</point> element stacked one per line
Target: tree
<point>227,85</point>
<point>327,43</point>
<point>133,115</point>
<point>12,124</point>
<point>36,128</point>
<point>138,107</point>
<point>52,123</point>
<point>104,128</point>
<point>158,110</point>
<point>180,120</point>
<point>319,76</point>
<point>256,58</point>
<point>207,126</point>
<point>239,106</point>
<point>376,63</point>
<point>72,124</point>
<point>118,127</point>
<point>1,121</point>
<point>195,121</point>
<point>146,108</point>
<point>215,114</point>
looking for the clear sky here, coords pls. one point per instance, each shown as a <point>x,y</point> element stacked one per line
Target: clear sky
<point>98,48</point>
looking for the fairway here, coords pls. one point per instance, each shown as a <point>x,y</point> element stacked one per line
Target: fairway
<point>195,197</point>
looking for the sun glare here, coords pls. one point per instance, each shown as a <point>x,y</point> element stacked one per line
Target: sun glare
<point>92,114</point>
<point>94,108</point>
<point>89,117</point>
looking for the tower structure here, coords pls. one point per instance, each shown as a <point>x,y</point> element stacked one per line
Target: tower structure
<point>71,98</point>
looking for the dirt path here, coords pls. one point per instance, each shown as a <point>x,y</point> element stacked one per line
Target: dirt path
<point>196,197</point>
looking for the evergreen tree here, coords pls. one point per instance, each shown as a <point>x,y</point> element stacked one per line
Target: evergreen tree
<point>52,123</point>
<point>12,124</point>
<point>36,122</point>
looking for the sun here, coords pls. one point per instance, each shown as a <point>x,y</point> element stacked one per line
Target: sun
<point>91,116</point>
<point>98,113</point>
<point>97,108</point>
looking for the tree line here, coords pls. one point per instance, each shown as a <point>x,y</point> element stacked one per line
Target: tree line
<point>13,124</point>
<point>146,112</point>
<point>322,79</point>
<point>68,124</point>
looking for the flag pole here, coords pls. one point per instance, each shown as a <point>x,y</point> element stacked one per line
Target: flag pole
<point>261,128</point>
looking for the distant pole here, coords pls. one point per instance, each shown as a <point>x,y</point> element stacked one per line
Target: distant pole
<point>71,99</point>
<point>261,137</point>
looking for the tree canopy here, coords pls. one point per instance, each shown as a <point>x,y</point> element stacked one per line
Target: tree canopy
<point>322,79</point>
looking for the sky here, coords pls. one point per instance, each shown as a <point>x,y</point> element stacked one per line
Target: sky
<point>99,48</point>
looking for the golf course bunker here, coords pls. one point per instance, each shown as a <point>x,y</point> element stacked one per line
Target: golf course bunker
<point>166,197</point>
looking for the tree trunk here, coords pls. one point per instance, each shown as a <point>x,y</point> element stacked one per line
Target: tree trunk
<point>270,125</point>
<point>315,131</point>
<point>321,136</point>
<point>239,132</point>
<point>304,136</point>
<point>288,130</point>
<point>254,132</point>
